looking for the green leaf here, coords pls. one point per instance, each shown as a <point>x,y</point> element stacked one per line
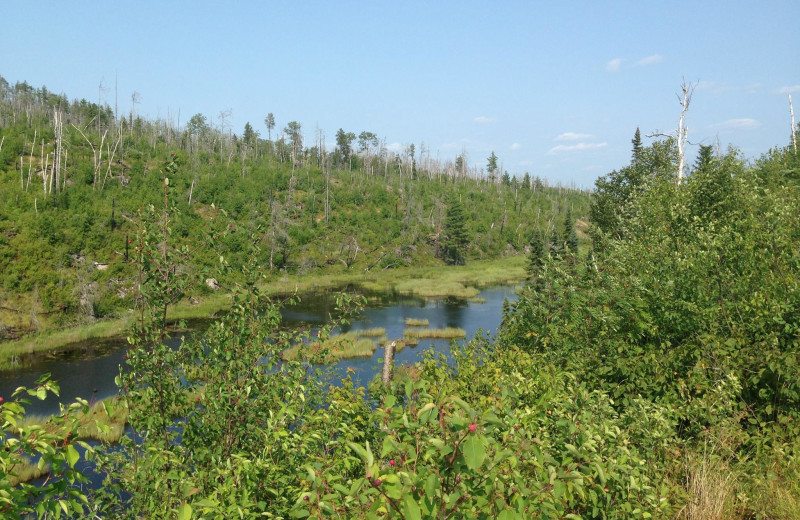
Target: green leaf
<point>361,452</point>
<point>410,508</point>
<point>72,456</point>
<point>184,512</point>
<point>474,451</point>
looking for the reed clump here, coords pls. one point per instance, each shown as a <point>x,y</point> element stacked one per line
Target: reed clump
<point>431,288</point>
<point>445,333</point>
<point>417,322</point>
<point>339,346</point>
<point>376,332</point>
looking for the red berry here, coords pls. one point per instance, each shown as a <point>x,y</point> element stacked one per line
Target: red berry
<point>472,427</point>
<point>378,482</point>
<point>391,462</point>
<point>1,399</point>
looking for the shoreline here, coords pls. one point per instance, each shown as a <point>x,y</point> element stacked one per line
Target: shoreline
<point>427,282</point>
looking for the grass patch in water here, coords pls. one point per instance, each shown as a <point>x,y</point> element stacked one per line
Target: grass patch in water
<point>477,300</point>
<point>12,351</point>
<point>377,332</point>
<point>25,471</point>
<point>446,333</point>
<point>105,422</point>
<point>400,344</point>
<point>339,346</point>
<point>429,288</point>
<point>416,322</point>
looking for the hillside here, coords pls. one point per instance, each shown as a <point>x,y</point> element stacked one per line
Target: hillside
<point>74,180</point>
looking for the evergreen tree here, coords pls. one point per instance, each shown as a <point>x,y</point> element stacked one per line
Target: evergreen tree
<point>526,181</point>
<point>705,159</point>
<point>455,234</point>
<point>491,165</point>
<point>249,135</point>
<point>637,145</point>
<point>536,257</point>
<point>570,234</point>
<point>344,144</point>
<point>556,244</point>
<point>269,122</point>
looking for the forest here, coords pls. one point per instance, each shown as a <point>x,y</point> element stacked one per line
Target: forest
<point>647,369</point>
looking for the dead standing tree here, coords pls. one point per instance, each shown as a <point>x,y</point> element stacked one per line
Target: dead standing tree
<point>794,128</point>
<point>682,132</point>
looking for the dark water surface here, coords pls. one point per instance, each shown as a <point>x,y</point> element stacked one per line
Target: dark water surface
<point>89,369</point>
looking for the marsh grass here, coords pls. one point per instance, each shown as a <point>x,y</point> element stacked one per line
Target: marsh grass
<point>446,333</point>
<point>399,344</point>
<point>376,332</point>
<point>104,422</point>
<point>415,322</point>
<point>339,346</point>
<point>25,471</point>
<point>12,351</point>
<point>430,288</point>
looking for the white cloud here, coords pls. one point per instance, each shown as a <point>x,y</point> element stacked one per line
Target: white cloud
<point>394,147</point>
<point>484,119</point>
<point>614,65</point>
<point>741,123</point>
<point>572,136</point>
<point>526,163</point>
<point>515,146</point>
<point>753,88</point>
<point>789,90</point>
<point>562,148</point>
<point>650,60</point>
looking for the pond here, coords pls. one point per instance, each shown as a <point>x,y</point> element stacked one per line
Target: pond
<point>88,370</point>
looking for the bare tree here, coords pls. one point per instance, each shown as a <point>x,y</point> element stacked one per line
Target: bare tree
<point>680,135</point>
<point>97,153</point>
<point>794,129</point>
<point>135,98</point>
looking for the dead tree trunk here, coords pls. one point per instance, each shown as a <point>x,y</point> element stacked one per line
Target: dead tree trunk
<point>388,363</point>
<point>682,132</point>
<point>794,129</point>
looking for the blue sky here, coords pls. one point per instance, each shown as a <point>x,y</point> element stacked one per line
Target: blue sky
<point>556,89</point>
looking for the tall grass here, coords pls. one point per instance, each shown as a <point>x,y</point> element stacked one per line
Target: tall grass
<point>376,332</point>
<point>340,346</point>
<point>415,322</point>
<point>105,422</point>
<point>446,333</point>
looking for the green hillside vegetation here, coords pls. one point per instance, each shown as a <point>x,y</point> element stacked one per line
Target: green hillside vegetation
<point>74,180</point>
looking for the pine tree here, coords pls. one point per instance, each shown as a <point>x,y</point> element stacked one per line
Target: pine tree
<point>556,244</point>
<point>570,233</point>
<point>536,257</point>
<point>637,145</point>
<point>491,165</point>
<point>526,181</point>
<point>455,234</point>
<point>705,159</point>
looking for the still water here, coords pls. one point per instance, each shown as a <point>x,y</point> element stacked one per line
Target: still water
<point>89,369</point>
